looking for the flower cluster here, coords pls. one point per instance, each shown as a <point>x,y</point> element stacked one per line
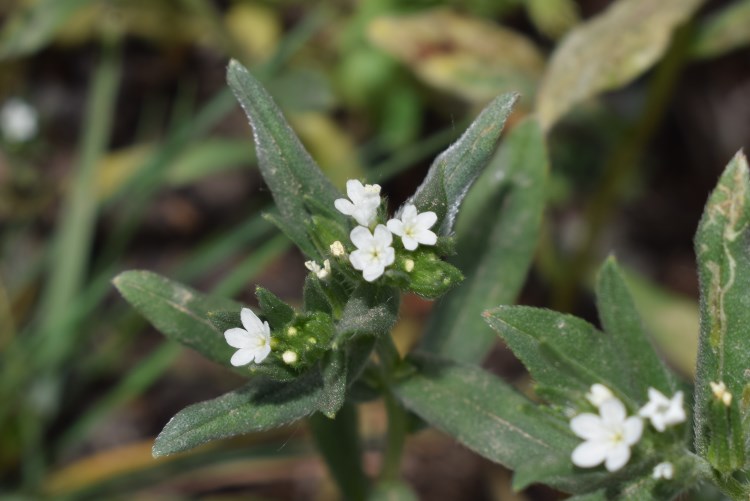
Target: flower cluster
<point>609,435</point>
<point>374,251</point>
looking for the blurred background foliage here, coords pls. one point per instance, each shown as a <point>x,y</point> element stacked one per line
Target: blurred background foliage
<point>137,156</point>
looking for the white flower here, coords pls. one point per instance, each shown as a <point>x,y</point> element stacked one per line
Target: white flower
<point>413,228</point>
<point>253,343</point>
<point>663,470</point>
<point>320,272</point>
<point>18,121</point>
<point>364,203</point>
<point>374,251</point>
<point>599,394</point>
<point>663,411</point>
<point>608,436</point>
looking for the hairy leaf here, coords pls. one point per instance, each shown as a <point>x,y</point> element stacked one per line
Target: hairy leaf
<point>497,232</point>
<point>286,166</point>
<point>179,312</point>
<point>454,171</point>
<point>722,245</point>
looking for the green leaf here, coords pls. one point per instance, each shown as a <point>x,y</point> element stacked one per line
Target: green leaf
<point>371,311</point>
<point>607,52</point>
<point>482,412</point>
<point>259,405</point>
<point>563,352</point>
<point>286,166</point>
<point>497,228</point>
<point>721,245</point>
<point>276,311</point>
<point>334,375</point>
<point>453,172</point>
<point>314,296</point>
<point>723,31</point>
<point>623,325</point>
<point>179,312</point>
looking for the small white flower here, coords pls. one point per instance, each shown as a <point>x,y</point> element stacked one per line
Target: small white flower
<point>289,357</point>
<point>364,203</point>
<point>253,343</point>
<point>374,251</point>
<point>18,120</point>
<point>320,272</point>
<point>337,249</point>
<point>608,436</point>
<point>663,411</point>
<point>663,470</point>
<point>413,228</point>
<point>599,394</point>
<point>721,393</point>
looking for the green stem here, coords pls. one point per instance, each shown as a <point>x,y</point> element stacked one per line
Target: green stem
<point>397,419</point>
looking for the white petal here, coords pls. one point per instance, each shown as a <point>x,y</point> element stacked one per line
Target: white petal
<point>426,237</point>
<point>657,397</point>
<point>358,259</point>
<point>382,235</point>
<point>657,421</point>
<point>355,190</point>
<point>344,206</point>
<point>649,409</point>
<point>426,219</point>
<point>262,353</point>
<point>372,272</point>
<point>395,226</point>
<point>251,322</point>
<point>599,394</point>
<point>409,213</point>
<point>364,215</point>
<point>409,243</point>
<point>237,338</point>
<point>590,453</point>
<point>242,357</point>
<point>612,411</point>
<point>617,457</point>
<point>390,256</point>
<point>587,426</point>
<point>361,237</point>
<point>633,428</point>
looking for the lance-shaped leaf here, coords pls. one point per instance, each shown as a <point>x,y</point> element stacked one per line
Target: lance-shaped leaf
<point>453,171</point>
<point>179,312</point>
<point>722,245</point>
<point>563,352</point>
<point>607,52</point>
<point>624,328</point>
<point>723,31</point>
<point>259,405</point>
<point>288,169</point>
<point>491,418</point>
<point>370,311</point>
<point>497,232</point>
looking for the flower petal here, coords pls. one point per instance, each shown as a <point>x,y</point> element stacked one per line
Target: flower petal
<point>425,220</point>
<point>355,190</point>
<point>612,411</point>
<point>617,457</point>
<point>262,353</point>
<point>242,357</point>
<point>590,453</point>
<point>344,206</point>
<point>587,426</point>
<point>357,258</point>
<point>390,256</point>
<point>395,226</point>
<point>251,322</point>
<point>633,429</point>
<point>409,243</point>
<point>409,212</point>
<point>426,237</point>
<point>361,237</point>
<point>383,236</point>
<point>237,338</point>
<point>372,272</point>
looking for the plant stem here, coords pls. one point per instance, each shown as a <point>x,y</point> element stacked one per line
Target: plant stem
<point>397,420</point>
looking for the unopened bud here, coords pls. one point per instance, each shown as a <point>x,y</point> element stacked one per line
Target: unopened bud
<point>337,249</point>
<point>289,357</point>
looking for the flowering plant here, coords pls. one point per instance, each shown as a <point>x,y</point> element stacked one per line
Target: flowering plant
<point>613,421</point>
